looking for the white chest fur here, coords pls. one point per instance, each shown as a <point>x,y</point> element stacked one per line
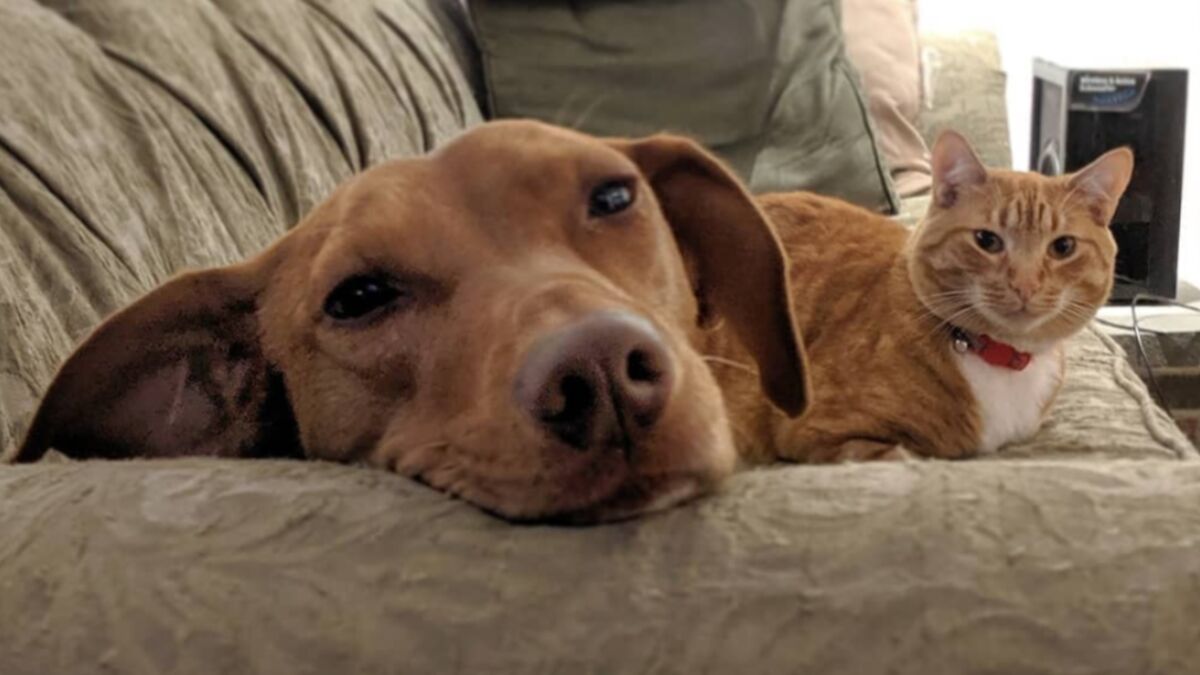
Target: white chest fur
<point>1011,403</point>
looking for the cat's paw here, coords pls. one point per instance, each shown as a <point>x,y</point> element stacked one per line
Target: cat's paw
<point>866,450</point>
<point>899,453</point>
<point>947,453</point>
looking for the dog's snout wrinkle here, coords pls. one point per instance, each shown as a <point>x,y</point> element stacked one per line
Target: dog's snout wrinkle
<point>563,289</point>
<point>600,382</point>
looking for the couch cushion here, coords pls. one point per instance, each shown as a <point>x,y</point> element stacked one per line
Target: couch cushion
<point>765,83</point>
<point>965,90</point>
<point>1104,411</point>
<point>881,41</point>
<point>205,566</point>
<point>139,137</point>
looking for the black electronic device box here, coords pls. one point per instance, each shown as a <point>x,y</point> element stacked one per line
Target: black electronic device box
<point>1078,114</point>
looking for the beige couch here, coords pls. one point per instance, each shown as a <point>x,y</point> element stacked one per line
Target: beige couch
<point>138,137</point>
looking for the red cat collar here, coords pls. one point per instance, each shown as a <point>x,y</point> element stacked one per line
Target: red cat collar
<point>994,352</point>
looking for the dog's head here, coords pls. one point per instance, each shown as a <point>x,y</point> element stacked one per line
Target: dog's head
<point>509,319</point>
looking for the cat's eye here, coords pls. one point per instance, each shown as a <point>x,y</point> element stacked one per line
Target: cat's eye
<point>989,241</point>
<point>610,197</point>
<point>1062,247</point>
<point>359,296</point>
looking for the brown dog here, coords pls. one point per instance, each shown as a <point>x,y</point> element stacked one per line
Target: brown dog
<point>512,319</point>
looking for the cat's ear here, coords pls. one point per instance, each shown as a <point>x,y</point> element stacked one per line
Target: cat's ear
<point>1103,182</point>
<point>955,166</point>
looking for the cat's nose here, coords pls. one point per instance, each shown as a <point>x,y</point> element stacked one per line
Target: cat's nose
<point>1025,287</point>
<point>1025,292</point>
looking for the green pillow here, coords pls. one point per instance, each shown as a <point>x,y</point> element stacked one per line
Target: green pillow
<point>764,83</point>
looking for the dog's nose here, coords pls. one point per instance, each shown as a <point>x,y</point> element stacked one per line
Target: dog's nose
<point>599,382</point>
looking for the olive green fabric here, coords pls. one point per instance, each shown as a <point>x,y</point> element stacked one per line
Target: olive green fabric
<point>764,83</point>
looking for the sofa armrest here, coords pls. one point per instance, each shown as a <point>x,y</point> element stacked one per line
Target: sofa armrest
<point>201,566</point>
<point>964,89</point>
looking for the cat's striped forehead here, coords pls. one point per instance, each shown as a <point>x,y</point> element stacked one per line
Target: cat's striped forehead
<point>1024,203</point>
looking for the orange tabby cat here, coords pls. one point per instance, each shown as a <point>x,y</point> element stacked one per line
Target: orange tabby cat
<point>945,341</point>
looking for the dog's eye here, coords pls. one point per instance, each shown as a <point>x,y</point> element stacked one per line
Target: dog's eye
<point>989,241</point>
<point>610,197</point>
<point>1062,247</point>
<point>358,296</point>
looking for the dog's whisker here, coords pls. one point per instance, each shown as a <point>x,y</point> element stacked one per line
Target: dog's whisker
<point>729,362</point>
<point>558,117</point>
<point>587,111</point>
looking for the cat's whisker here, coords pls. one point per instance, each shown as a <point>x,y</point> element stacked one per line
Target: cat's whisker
<point>1075,312</point>
<point>948,320</point>
<point>935,311</point>
<point>1078,311</point>
<point>944,294</point>
<point>935,306</point>
<point>930,318</point>
<point>1076,304</point>
<point>935,303</point>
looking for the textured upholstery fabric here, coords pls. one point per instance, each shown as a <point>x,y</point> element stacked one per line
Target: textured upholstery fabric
<point>764,83</point>
<point>204,566</point>
<point>964,90</point>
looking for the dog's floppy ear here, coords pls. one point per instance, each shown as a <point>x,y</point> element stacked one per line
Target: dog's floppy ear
<point>740,263</point>
<point>180,372</point>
